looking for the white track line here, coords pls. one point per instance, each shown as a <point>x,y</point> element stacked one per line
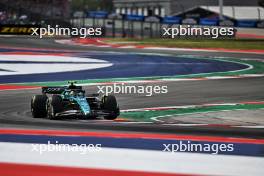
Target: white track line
<point>205,112</point>
<point>137,160</point>
<point>70,42</point>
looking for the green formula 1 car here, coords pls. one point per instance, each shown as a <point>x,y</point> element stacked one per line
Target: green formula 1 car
<point>58,102</point>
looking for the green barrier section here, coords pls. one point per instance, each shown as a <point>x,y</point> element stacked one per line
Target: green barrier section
<point>145,116</point>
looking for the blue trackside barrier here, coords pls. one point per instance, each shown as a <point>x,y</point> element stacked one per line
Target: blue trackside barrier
<point>246,23</point>
<point>97,14</point>
<point>171,20</point>
<point>135,17</point>
<point>209,22</point>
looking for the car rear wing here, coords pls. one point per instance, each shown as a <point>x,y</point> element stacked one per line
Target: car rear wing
<point>53,90</point>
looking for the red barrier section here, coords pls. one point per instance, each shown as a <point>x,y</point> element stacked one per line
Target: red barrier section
<point>15,87</point>
<point>132,135</point>
<point>8,169</point>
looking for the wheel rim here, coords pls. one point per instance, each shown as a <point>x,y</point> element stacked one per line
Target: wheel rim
<point>50,112</point>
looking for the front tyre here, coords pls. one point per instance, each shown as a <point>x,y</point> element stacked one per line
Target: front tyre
<point>109,104</point>
<point>38,106</point>
<point>54,106</point>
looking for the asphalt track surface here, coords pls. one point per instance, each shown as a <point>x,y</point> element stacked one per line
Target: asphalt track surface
<point>15,105</point>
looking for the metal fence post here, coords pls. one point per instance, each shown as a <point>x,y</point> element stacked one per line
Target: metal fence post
<point>142,29</point>
<point>113,28</point>
<point>151,29</point>
<point>123,28</point>
<point>132,29</point>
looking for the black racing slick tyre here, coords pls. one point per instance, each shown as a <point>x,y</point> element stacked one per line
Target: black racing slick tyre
<point>54,106</point>
<point>38,106</point>
<point>110,105</point>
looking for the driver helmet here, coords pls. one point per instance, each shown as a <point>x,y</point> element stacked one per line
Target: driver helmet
<point>72,93</point>
<point>81,94</point>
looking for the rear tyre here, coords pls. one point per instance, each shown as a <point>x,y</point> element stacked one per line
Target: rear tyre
<point>38,106</point>
<point>54,106</point>
<point>110,105</point>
